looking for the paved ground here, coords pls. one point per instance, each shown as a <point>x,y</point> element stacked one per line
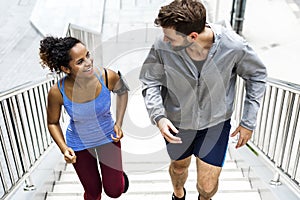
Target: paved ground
<point>19,45</point>
<point>271,26</point>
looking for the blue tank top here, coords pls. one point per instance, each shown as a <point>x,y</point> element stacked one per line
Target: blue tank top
<point>91,123</point>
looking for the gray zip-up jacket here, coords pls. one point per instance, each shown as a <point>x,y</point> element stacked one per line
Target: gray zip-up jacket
<point>174,88</point>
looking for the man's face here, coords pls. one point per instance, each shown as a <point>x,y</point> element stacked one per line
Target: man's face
<point>176,40</point>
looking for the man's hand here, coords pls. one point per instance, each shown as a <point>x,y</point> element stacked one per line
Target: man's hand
<point>245,135</point>
<point>165,126</point>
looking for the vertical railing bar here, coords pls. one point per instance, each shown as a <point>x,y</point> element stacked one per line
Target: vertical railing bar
<point>45,92</point>
<point>293,133</point>
<point>23,130</point>
<point>7,162</point>
<point>258,135</point>
<point>34,121</point>
<point>258,130</point>
<point>295,170</point>
<point>29,127</point>
<point>273,118</point>
<point>44,113</point>
<point>43,128</point>
<point>42,148</point>
<point>278,124</point>
<point>286,127</point>
<point>10,137</point>
<point>278,162</point>
<point>18,139</point>
<point>28,182</point>
<point>5,187</point>
<point>266,122</point>
<point>91,39</point>
<point>43,109</point>
<point>82,35</point>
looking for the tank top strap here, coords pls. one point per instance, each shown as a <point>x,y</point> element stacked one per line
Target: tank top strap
<point>62,86</point>
<point>101,79</point>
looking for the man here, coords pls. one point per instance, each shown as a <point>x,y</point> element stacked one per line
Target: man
<point>189,82</point>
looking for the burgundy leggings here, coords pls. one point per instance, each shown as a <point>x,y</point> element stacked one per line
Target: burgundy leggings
<point>111,171</point>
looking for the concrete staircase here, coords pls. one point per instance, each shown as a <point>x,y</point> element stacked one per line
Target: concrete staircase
<point>234,183</point>
<point>127,33</point>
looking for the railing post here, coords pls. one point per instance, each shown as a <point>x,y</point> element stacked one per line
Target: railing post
<point>16,110</point>
<point>237,15</point>
<point>280,144</point>
<point>276,179</point>
<point>28,184</point>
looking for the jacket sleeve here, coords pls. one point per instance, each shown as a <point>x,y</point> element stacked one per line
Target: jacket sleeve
<point>152,77</point>
<point>254,73</point>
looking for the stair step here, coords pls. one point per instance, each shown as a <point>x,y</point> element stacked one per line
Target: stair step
<point>159,175</point>
<point>64,196</point>
<point>220,195</point>
<point>142,186</point>
<point>233,185</point>
<point>132,166</point>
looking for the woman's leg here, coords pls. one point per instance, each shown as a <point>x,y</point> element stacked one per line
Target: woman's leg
<point>111,169</point>
<point>87,170</point>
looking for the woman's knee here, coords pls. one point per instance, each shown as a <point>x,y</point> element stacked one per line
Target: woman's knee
<point>114,192</point>
<point>114,189</point>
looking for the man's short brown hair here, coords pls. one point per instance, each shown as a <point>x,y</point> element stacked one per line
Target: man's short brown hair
<point>185,16</point>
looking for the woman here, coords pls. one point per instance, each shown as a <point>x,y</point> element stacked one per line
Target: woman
<point>85,94</point>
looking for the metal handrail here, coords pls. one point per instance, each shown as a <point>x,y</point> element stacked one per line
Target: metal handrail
<point>277,138</point>
<point>24,137</point>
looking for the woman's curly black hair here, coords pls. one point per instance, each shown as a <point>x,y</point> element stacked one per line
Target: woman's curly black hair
<point>55,52</point>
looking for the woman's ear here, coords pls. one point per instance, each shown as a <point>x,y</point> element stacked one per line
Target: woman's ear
<point>65,69</point>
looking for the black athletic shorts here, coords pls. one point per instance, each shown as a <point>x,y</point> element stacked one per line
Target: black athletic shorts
<point>210,145</point>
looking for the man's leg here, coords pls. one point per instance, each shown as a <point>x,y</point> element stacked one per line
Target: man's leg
<point>207,179</point>
<point>179,172</point>
<point>210,147</point>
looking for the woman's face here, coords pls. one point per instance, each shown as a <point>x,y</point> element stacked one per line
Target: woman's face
<point>81,63</point>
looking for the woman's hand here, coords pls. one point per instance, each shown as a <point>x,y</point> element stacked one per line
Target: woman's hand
<point>69,155</point>
<point>119,133</point>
